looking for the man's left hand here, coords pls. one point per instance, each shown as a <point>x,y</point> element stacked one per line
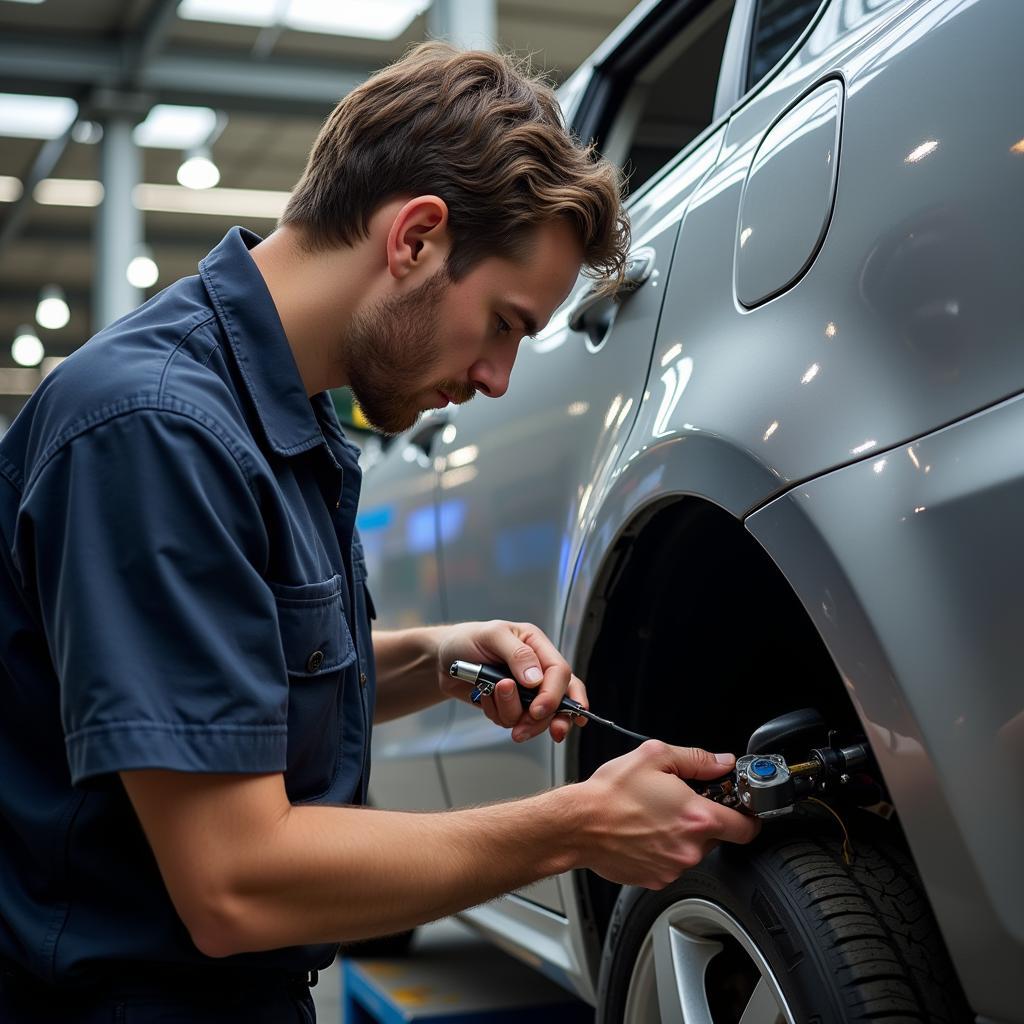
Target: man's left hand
<point>534,661</point>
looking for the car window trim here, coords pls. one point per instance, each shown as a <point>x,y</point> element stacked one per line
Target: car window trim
<point>732,93</point>
<point>645,36</point>
<point>732,75</point>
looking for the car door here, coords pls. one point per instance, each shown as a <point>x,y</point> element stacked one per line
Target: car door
<point>519,475</point>
<point>398,527</point>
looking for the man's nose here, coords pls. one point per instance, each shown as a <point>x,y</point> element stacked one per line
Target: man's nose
<point>491,376</point>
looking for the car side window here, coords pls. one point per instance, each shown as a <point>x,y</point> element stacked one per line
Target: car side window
<point>777,26</point>
<point>666,97</point>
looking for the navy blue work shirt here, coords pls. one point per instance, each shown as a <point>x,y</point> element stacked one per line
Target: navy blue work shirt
<point>181,586</point>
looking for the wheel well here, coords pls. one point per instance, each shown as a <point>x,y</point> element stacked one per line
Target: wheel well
<point>695,637</point>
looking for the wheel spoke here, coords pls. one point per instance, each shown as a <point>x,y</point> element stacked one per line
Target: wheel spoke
<point>679,964</point>
<point>762,1007</point>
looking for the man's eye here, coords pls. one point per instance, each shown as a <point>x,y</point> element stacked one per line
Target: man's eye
<point>504,327</point>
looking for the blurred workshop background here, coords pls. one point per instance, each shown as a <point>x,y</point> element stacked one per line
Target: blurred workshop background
<point>134,133</point>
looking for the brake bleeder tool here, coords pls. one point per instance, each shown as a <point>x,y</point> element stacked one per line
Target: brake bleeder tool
<point>484,678</point>
<point>764,785</point>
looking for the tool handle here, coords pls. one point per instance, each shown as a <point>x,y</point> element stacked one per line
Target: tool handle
<point>486,677</point>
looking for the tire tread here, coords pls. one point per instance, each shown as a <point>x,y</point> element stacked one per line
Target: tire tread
<point>864,916</point>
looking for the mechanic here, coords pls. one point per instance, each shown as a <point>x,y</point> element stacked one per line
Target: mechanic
<point>186,667</point>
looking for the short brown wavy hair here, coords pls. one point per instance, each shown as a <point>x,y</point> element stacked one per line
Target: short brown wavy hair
<point>478,130</point>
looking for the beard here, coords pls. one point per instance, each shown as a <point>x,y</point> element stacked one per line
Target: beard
<point>391,352</point>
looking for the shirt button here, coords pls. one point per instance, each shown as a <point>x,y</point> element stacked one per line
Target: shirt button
<point>337,504</point>
<point>316,659</point>
<point>362,678</point>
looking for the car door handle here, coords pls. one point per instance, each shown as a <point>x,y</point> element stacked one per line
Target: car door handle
<point>639,265</point>
<point>425,433</point>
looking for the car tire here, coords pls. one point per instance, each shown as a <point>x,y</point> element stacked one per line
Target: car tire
<point>782,931</point>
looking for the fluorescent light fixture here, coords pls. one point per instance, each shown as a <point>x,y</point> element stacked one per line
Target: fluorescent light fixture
<point>52,312</point>
<point>27,349</point>
<point>198,170</point>
<point>10,189</point>
<point>68,192</point>
<point>231,12</point>
<point>143,272</point>
<point>172,127</point>
<point>216,202</point>
<point>379,19</point>
<point>87,133</point>
<point>382,19</point>
<point>36,117</point>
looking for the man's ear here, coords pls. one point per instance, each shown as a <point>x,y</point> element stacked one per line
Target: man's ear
<point>418,242</point>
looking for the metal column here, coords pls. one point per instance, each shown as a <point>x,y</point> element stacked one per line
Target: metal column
<point>468,24</point>
<point>119,224</point>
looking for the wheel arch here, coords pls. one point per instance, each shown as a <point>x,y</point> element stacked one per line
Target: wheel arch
<point>689,615</point>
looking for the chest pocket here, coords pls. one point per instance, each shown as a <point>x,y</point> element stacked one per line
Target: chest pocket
<point>318,650</point>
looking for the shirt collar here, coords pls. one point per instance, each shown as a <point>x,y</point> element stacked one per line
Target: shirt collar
<point>249,318</point>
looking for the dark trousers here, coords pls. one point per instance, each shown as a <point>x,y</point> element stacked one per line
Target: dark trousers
<point>291,1004</point>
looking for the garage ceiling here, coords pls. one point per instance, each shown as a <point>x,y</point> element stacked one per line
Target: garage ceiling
<point>275,86</point>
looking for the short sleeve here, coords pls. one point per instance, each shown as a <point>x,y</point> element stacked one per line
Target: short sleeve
<point>144,542</point>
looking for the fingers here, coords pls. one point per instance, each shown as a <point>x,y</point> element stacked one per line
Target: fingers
<point>560,725</point>
<point>693,762</point>
<point>509,708</point>
<point>535,662</point>
<point>731,826</point>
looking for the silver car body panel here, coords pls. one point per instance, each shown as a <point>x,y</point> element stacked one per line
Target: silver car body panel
<point>906,565</point>
<point>576,398</point>
<point>908,320</point>
<point>397,528</point>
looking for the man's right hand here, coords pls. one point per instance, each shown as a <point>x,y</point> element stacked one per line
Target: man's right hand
<point>645,826</point>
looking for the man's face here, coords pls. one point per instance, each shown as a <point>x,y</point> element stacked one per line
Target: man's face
<point>445,341</point>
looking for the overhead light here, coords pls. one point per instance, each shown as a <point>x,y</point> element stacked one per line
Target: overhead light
<point>36,117</point>
<point>168,126</point>
<point>258,13</point>
<point>68,192</point>
<point>381,19</point>
<point>27,349</point>
<point>143,272</point>
<point>268,204</point>
<point>198,170</point>
<point>87,133</point>
<point>52,312</point>
<point>10,189</point>
<point>216,202</point>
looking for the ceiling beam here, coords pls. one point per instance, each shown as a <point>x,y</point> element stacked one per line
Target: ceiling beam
<point>42,167</point>
<point>142,44</point>
<point>224,79</point>
<point>136,48</point>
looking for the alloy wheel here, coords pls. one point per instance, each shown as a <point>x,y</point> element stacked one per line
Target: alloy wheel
<point>698,965</point>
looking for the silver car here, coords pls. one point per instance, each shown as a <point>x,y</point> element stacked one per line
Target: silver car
<point>782,469</point>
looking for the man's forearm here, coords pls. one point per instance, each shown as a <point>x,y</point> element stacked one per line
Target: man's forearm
<point>336,873</point>
<point>248,871</point>
<point>406,671</point>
